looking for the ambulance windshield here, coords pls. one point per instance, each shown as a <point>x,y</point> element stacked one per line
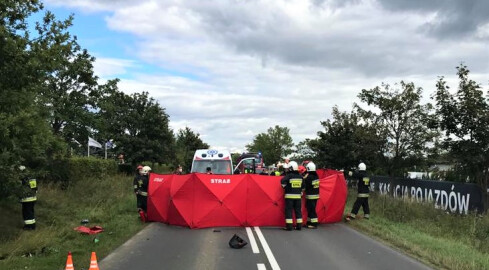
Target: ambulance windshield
<point>217,166</point>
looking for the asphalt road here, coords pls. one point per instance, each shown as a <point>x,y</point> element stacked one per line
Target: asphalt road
<point>332,246</point>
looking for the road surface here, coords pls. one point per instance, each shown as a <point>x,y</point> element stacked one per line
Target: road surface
<point>331,246</point>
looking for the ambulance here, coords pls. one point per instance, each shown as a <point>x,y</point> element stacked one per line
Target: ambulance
<point>219,161</point>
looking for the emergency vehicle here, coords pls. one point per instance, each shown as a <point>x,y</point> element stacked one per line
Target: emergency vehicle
<point>219,161</point>
<point>252,162</point>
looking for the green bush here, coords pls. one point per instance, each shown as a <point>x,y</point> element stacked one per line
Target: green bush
<point>86,167</point>
<point>77,168</point>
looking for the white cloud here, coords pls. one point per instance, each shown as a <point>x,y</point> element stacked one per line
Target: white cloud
<point>112,67</point>
<point>248,65</point>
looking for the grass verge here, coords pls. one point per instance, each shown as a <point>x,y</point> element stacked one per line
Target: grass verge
<point>107,202</point>
<point>439,239</point>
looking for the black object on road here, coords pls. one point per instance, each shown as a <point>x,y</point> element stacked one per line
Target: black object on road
<point>237,242</point>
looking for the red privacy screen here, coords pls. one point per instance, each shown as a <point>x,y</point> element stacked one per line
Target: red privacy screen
<point>209,200</point>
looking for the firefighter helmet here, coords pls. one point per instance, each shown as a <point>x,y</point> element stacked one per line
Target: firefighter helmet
<point>146,170</point>
<point>362,167</point>
<point>293,166</point>
<point>311,167</point>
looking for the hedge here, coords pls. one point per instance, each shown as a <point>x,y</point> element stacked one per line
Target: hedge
<point>77,168</point>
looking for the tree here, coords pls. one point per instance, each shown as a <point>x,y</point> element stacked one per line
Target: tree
<point>274,145</point>
<point>303,151</point>
<point>137,124</point>
<point>68,91</point>
<point>404,121</point>
<point>345,141</point>
<point>186,143</point>
<point>464,119</point>
<point>25,137</point>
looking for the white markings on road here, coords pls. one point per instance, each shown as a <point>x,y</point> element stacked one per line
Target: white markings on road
<point>254,246</point>
<point>261,266</point>
<point>267,249</point>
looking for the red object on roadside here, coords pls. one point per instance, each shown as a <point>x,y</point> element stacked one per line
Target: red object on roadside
<point>91,230</point>
<point>142,215</point>
<point>201,200</point>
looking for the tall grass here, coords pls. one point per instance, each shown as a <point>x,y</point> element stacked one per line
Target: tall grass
<point>440,239</point>
<point>107,202</point>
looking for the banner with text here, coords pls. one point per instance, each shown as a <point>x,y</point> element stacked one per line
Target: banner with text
<point>450,196</point>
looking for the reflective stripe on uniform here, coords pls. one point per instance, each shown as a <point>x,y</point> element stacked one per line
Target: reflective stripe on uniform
<point>289,221</point>
<point>143,193</point>
<point>29,199</point>
<point>292,196</point>
<point>312,196</point>
<point>315,183</point>
<point>29,221</point>
<point>33,183</point>
<point>295,183</point>
<point>314,220</point>
<point>299,220</point>
<point>363,195</point>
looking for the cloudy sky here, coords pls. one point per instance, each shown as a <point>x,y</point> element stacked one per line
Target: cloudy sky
<point>231,69</point>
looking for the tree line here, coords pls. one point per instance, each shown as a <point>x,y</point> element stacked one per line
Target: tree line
<point>51,101</point>
<point>393,132</point>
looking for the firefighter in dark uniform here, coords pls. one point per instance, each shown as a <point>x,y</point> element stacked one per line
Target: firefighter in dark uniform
<point>141,190</point>
<point>363,192</point>
<point>293,185</point>
<point>28,200</point>
<point>311,180</point>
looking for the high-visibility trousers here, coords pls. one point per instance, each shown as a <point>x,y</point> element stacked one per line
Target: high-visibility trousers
<point>28,214</point>
<point>293,205</point>
<point>312,216</point>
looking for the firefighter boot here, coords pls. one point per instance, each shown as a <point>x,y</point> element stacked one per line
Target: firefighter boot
<point>298,227</point>
<point>288,227</point>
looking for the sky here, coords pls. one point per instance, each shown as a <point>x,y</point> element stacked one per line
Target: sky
<point>231,69</point>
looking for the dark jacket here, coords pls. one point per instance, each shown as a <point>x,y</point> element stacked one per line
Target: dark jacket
<point>29,189</point>
<point>363,183</point>
<point>311,180</point>
<point>293,185</point>
<point>141,184</point>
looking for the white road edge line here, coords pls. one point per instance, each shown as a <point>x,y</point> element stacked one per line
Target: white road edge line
<point>267,250</point>
<point>254,246</point>
<point>261,266</point>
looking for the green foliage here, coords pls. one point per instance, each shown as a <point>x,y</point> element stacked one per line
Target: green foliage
<point>109,203</point>
<point>464,118</point>
<point>345,141</point>
<point>68,92</point>
<point>74,169</point>
<point>275,144</point>
<point>446,241</point>
<point>186,143</point>
<point>138,125</point>
<point>25,137</point>
<point>402,120</point>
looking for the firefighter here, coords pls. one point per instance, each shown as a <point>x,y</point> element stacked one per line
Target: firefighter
<point>28,199</point>
<point>311,180</point>
<point>141,189</point>
<point>363,192</point>
<point>292,183</point>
